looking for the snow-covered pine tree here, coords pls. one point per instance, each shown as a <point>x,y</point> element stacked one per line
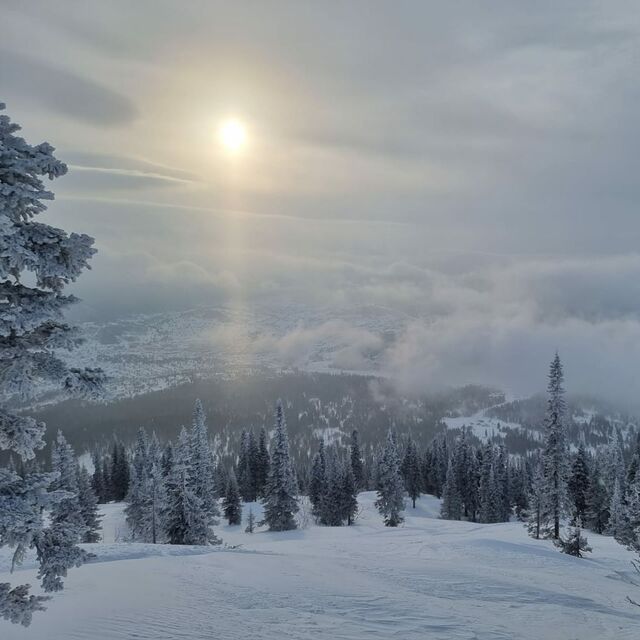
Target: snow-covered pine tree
<point>633,511</point>
<point>520,490</point>
<point>185,518</point>
<point>136,495</point>
<point>318,480</point>
<point>201,465</point>
<point>251,522</point>
<point>597,501</point>
<point>349,494</point>
<point>451,508</point>
<point>329,507</point>
<point>88,503</point>
<point>97,478</point>
<point>634,463</point>
<point>355,457</point>
<point>535,521</point>
<point>119,471</point>
<point>32,335</point>
<point>390,502</point>
<point>263,463</point>
<point>613,467</point>
<point>555,449</point>
<point>411,471</point>
<point>231,504</point>
<point>246,468</point>
<point>575,543</point>
<point>619,526</point>
<point>489,495</point>
<point>280,502</point>
<point>578,484</point>
<point>66,511</point>
<point>167,459</point>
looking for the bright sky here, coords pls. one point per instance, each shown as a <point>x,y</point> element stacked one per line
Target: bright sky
<point>472,165</point>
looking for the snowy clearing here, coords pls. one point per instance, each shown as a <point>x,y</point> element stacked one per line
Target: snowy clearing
<point>427,579</point>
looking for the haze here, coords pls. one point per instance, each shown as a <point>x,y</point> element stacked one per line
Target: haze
<point>471,166</point>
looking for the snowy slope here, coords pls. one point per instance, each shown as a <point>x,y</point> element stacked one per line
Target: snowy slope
<point>427,579</point>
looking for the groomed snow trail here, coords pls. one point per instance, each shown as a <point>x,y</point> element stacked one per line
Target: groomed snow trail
<point>430,579</point>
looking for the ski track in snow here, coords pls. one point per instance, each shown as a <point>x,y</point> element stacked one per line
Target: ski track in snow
<point>429,579</point>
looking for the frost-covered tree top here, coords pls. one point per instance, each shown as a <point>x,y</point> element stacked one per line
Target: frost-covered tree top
<point>36,262</point>
<point>31,321</point>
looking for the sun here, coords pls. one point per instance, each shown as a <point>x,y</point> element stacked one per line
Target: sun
<point>232,135</point>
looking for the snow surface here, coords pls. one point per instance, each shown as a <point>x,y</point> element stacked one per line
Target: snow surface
<point>427,579</point>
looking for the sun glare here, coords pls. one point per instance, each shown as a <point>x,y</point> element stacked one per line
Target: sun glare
<point>232,135</point>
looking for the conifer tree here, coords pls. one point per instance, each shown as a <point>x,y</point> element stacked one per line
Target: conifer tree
<point>356,460</point>
<point>246,468</point>
<point>119,471</point>
<point>597,501</point>
<point>411,471</point>
<point>390,502</point>
<point>451,508</point>
<point>263,463</point>
<point>578,485</point>
<point>280,502</point>
<point>88,503</point>
<point>36,262</point>
<point>318,481</point>
<point>231,504</point>
<point>575,544</point>
<point>618,525</point>
<point>66,511</point>
<point>97,478</point>
<point>185,517</point>
<point>349,495</point>
<point>167,459</point>
<point>251,522</point>
<point>535,522</point>
<point>201,470</point>
<point>555,449</point>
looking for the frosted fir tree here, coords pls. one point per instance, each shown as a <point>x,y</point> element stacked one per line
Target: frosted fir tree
<point>97,478</point>
<point>36,262</point>
<point>619,526</point>
<point>451,508</point>
<point>184,515</point>
<point>318,481</point>
<point>390,502</point>
<point>119,473</point>
<point>246,467</point>
<point>136,495</point>
<point>251,522</point>
<point>613,468</point>
<point>536,525</point>
<point>355,457</point>
<point>411,471</point>
<point>263,463</point>
<point>555,452</point>
<point>348,495</point>
<point>146,497</point>
<point>575,544</point>
<point>280,502</point>
<point>231,505</point>
<point>88,503</point>
<point>65,513</point>
<point>598,501</point>
<point>633,511</point>
<point>330,506</point>
<point>201,462</point>
<point>578,484</point>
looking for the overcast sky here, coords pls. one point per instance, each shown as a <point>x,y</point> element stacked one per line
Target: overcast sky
<point>473,165</point>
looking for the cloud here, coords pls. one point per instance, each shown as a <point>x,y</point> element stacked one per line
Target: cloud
<point>64,91</point>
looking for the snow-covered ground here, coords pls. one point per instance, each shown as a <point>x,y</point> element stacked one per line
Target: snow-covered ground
<point>428,579</point>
